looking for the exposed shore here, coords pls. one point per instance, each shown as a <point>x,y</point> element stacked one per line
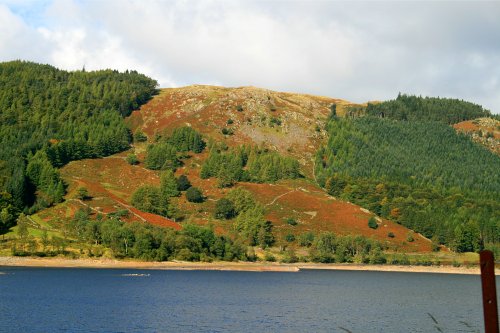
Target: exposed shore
<point>224,266</point>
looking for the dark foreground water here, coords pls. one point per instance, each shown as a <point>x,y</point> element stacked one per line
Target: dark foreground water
<point>93,300</point>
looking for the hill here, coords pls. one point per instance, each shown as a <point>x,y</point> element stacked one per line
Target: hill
<point>215,173</point>
<point>299,200</point>
<point>292,124</point>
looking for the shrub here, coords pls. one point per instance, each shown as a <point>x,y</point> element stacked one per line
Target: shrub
<point>239,108</point>
<point>139,136</point>
<point>290,257</point>
<point>372,223</point>
<point>400,259</point>
<point>120,213</point>
<point>289,237</point>
<point>291,221</point>
<point>275,121</point>
<point>194,194</point>
<point>306,239</point>
<point>269,257</point>
<point>82,193</point>
<point>410,237</point>
<point>391,235</point>
<point>377,258</point>
<point>227,131</point>
<point>183,183</point>
<point>186,255</point>
<point>132,159</point>
<point>229,121</point>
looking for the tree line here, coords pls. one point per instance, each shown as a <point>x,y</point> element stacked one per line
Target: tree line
<point>411,108</point>
<point>148,242</point>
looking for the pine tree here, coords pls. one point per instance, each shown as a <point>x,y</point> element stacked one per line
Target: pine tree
<point>168,184</point>
<point>183,183</point>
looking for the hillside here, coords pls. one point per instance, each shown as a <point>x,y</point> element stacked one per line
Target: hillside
<point>420,174</point>
<point>485,131</point>
<point>292,124</point>
<point>50,117</point>
<point>213,173</point>
<point>112,181</point>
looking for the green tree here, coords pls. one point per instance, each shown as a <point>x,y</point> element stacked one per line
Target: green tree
<point>265,235</point>
<point>224,209</point>
<point>132,159</point>
<point>149,199</point>
<point>161,156</point>
<point>168,184</point>
<point>139,136</point>
<point>194,194</point>
<point>45,240</point>
<point>466,238</point>
<point>252,225</point>
<point>372,223</point>
<point>324,247</point>
<point>22,229</point>
<point>333,111</point>
<point>82,193</point>
<point>187,139</point>
<point>306,239</point>
<point>183,183</point>
<point>242,199</point>
<point>174,212</point>
<point>8,213</point>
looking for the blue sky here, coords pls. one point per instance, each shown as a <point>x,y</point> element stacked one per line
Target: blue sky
<point>354,50</point>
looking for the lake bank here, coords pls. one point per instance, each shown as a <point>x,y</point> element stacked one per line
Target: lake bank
<point>225,266</point>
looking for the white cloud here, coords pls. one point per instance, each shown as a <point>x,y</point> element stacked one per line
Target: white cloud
<point>354,50</point>
<point>17,40</point>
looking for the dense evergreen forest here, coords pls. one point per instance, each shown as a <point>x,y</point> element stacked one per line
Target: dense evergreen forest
<point>418,173</point>
<point>408,107</point>
<point>49,117</point>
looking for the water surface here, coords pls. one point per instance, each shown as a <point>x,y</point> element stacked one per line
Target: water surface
<point>112,300</point>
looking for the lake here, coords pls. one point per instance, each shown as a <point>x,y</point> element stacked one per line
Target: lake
<point>112,300</point>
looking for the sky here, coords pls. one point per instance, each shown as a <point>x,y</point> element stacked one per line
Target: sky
<point>355,50</point>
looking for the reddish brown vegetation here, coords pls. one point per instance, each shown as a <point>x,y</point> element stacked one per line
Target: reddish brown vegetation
<point>111,181</point>
<point>485,131</point>
<point>315,211</point>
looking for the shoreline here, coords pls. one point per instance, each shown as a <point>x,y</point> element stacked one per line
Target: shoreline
<point>225,266</point>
